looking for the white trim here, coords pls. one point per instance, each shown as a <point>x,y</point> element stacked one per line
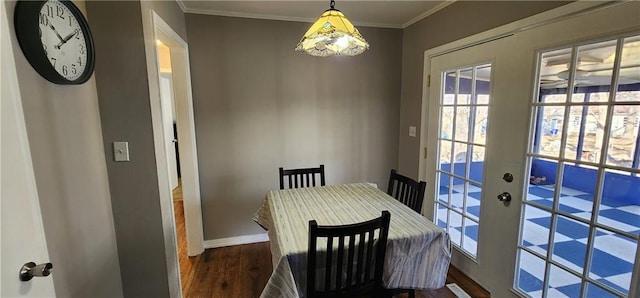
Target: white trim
<point>428,13</point>
<point>183,7</point>
<point>247,239</point>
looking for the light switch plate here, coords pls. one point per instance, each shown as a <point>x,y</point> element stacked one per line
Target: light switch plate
<point>121,151</point>
<point>412,131</point>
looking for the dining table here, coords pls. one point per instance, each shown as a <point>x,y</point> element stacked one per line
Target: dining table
<point>418,252</point>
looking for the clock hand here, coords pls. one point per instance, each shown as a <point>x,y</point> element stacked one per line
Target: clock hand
<point>55,31</point>
<point>64,40</point>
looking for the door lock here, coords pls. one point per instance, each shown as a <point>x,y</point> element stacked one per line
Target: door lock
<point>508,177</point>
<point>504,197</point>
<point>29,270</point>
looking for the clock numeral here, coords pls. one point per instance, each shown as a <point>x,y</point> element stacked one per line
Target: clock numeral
<point>79,62</point>
<point>73,69</point>
<point>49,11</point>
<point>44,20</point>
<point>82,50</point>
<point>65,70</point>
<point>70,21</point>
<point>53,61</point>
<point>60,12</point>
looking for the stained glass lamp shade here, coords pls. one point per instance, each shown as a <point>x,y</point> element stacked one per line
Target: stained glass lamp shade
<point>332,34</point>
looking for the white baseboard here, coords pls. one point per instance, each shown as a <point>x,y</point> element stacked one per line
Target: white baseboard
<point>222,242</point>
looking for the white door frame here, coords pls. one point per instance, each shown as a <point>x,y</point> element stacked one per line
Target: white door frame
<point>153,27</point>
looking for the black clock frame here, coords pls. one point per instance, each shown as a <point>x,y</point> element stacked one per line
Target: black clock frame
<point>26,23</point>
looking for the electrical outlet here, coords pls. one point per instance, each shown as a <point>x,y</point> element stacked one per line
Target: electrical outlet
<point>412,131</point>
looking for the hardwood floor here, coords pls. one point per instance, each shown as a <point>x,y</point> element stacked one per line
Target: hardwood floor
<point>243,270</point>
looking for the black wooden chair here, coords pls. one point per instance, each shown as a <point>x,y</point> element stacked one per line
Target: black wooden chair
<point>363,262</point>
<point>302,177</point>
<point>406,190</point>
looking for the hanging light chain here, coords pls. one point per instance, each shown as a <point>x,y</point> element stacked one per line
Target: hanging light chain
<point>332,4</point>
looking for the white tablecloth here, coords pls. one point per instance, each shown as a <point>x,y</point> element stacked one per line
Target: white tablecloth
<point>418,251</point>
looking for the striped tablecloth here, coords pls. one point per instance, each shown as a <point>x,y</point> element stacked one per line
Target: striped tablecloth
<point>418,251</point>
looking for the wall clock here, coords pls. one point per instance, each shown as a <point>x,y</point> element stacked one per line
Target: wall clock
<point>56,40</point>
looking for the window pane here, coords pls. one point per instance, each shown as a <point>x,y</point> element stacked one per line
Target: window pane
<point>612,260</point>
<point>624,136</point>
<point>464,90</point>
<point>535,230</point>
<point>593,133</point>
<point>460,159</point>
<point>553,78</point>
<point>449,94</point>
<point>470,243</point>
<point>483,83</point>
<point>445,155</point>
<point>629,70</point>
<point>594,68</point>
<point>476,168</point>
<point>480,127</point>
<point>578,188</point>
<point>446,123</point>
<point>569,243</point>
<point>474,195</point>
<point>462,124</point>
<point>620,205</point>
<point>550,121</point>
<point>595,291</point>
<point>455,227</point>
<point>445,182</point>
<point>563,283</point>
<point>531,274</point>
<point>442,216</point>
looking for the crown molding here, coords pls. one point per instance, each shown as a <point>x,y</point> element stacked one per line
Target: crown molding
<point>428,13</point>
<point>276,17</point>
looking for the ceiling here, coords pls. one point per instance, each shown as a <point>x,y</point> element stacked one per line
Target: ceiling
<point>386,14</point>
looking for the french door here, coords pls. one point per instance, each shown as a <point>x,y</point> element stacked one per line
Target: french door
<point>533,156</point>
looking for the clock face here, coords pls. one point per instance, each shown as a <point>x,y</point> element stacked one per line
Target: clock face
<point>63,40</point>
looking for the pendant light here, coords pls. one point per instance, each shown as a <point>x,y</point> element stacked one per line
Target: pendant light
<point>332,34</point>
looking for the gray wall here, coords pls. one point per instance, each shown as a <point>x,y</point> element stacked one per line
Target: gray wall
<point>63,126</point>
<point>260,105</point>
<point>121,76</point>
<point>456,21</point>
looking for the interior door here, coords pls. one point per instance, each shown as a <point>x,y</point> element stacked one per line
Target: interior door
<point>22,231</point>
<point>547,115</point>
<point>478,119</point>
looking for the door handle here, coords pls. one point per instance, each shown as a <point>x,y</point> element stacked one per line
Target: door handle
<point>504,197</point>
<point>29,270</point>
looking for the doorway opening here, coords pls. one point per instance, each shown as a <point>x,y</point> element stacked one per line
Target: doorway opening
<point>172,163</point>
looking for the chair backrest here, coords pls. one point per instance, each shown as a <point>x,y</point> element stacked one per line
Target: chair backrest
<point>302,177</point>
<point>360,271</point>
<point>406,190</point>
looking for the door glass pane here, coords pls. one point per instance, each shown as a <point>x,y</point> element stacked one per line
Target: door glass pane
<point>594,69</point>
<point>480,126</point>
<point>553,70</point>
<point>463,125</point>
<point>550,120</point>
<point>578,187</point>
<point>612,260</point>
<point>568,249</point>
<point>530,275</point>
<point>535,229</point>
<point>629,70</point>
<point>620,204</point>
<point>445,156</point>
<point>624,135</point>
<point>445,182</point>
<point>596,291</point>
<point>563,283</point>
<point>465,83</point>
